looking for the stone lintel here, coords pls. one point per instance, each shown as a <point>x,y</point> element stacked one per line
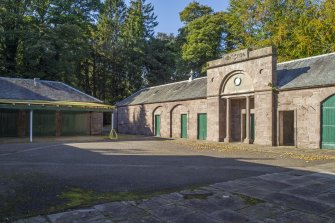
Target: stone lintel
<point>242,55</point>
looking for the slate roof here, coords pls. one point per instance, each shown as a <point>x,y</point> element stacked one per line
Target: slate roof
<point>183,90</point>
<point>24,89</point>
<point>307,72</point>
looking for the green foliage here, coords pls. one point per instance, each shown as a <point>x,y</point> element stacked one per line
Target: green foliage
<point>298,28</point>
<point>110,50</point>
<point>194,11</point>
<point>203,40</point>
<point>161,61</point>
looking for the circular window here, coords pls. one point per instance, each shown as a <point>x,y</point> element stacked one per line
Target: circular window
<point>237,81</point>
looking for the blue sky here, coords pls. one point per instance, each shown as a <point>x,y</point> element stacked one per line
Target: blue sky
<point>167,12</point>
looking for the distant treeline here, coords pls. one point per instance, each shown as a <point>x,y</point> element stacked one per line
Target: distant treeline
<point>109,49</point>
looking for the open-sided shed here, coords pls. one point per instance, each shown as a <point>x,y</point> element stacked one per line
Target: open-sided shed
<point>33,107</point>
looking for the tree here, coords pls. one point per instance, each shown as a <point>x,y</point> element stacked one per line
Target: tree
<point>194,11</point>
<point>138,29</point>
<point>160,62</point>
<point>292,26</point>
<point>12,28</point>
<point>203,34</point>
<point>108,79</point>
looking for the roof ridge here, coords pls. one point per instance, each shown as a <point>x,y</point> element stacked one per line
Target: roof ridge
<point>31,79</point>
<point>174,83</point>
<point>307,58</point>
<point>78,91</point>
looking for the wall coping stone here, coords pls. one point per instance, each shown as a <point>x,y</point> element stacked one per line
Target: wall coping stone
<point>242,55</point>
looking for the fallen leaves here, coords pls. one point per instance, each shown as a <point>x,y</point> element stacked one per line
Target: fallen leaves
<point>283,152</point>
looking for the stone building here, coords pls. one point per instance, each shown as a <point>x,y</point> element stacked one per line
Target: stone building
<point>33,107</point>
<point>246,97</point>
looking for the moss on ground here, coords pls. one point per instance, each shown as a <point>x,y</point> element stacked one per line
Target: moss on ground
<point>196,196</point>
<point>251,201</point>
<point>79,198</point>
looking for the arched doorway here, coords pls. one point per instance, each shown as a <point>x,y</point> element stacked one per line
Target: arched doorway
<point>157,121</point>
<point>328,123</point>
<point>179,121</point>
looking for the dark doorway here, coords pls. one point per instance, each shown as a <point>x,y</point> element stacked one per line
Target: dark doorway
<point>286,128</point>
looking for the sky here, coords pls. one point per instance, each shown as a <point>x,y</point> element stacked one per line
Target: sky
<point>167,12</point>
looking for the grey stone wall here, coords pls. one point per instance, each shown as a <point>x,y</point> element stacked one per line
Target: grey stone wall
<point>139,119</point>
<point>257,69</point>
<point>96,119</point>
<point>306,103</point>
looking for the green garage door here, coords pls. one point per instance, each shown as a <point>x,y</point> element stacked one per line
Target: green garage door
<point>157,125</point>
<point>184,126</point>
<point>75,123</point>
<point>8,123</point>
<point>44,123</point>
<point>328,123</point>
<point>202,126</point>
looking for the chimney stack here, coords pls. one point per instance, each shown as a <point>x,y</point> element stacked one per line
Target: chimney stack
<point>191,76</point>
<point>35,81</point>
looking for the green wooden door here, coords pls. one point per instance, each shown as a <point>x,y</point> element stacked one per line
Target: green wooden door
<point>328,123</point>
<point>157,125</point>
<point>75,123</point>
<point>8,123</point>
<point>202,126</point>
<point>184,126</point>
<point>252,126</point>
<point>44,123</point>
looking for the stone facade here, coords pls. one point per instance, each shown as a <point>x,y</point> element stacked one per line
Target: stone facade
<point>96,120</point>
<point>139,119</point>
<point>306,104</point>
<point>243,104</point>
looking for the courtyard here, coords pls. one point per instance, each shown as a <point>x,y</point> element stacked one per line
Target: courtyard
<point>147,179</point>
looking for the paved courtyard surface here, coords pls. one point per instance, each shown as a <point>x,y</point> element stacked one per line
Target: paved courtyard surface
<point>233,185</point>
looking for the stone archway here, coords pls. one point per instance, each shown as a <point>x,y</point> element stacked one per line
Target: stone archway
<point>158,121</point>
<point>237,89</point>
<point>237,82</point>
<point>178,115</point>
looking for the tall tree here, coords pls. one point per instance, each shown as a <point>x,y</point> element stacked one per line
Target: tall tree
<point>12,28</point>
<point>139,28</point>
<point>108,72</point>
<point>160,61</point>
<point>203,34</point>
<point>293,26</point>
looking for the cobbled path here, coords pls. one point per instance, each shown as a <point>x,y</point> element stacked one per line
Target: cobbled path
<point>299,196</point>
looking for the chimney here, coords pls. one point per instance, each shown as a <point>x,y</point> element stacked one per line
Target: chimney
<point>191,76</point>
<point>35,81</point>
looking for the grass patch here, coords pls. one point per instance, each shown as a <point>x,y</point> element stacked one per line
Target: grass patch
<point>196,196</point>
<point>77,197</point>
<point>249,200</point>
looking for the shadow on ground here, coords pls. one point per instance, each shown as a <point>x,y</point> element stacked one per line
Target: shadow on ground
<point>59,177</point>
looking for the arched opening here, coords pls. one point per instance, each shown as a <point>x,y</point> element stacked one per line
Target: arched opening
<point>237,89</point>
<point>179,116</point>
<point>328,123</point>
<point>157,121</point>
<point>236,82</point>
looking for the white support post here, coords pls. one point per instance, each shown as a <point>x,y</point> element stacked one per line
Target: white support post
<point>31,126</point>
<point>112,121</point>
